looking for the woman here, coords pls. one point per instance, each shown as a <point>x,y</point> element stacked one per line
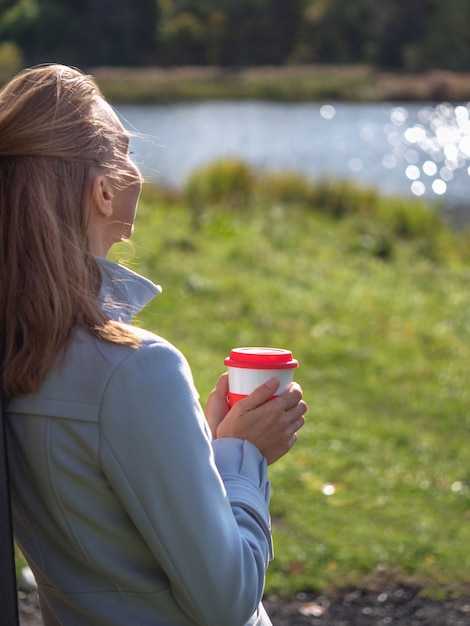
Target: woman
<point>131,506</point>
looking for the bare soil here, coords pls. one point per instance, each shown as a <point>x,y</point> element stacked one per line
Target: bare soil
<point>395,605</point>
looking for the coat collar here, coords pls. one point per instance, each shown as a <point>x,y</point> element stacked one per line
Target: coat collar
<point>124,293</point>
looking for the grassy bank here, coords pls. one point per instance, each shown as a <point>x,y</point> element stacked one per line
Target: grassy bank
<point>372,296</point>
<point>294,83</point>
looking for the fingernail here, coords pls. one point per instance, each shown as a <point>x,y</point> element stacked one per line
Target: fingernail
<point>272,383</point>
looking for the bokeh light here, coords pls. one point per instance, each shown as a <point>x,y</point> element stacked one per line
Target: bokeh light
<point>436,146</point>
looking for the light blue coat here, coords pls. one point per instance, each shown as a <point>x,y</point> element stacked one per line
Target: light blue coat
<point>126,510</point>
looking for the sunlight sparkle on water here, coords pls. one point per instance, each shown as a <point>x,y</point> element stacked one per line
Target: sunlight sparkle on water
<point>430,168</point>
<point>415,134</point>
<point>461,113</point>
<point>439,186</point>
<point>440,136</point>
<point>413,172</point>
<point>418,188</point>
<point>399,116</point>
<point>328,111</point>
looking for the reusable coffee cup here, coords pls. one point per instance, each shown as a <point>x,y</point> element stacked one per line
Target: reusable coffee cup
<point>248,368</point>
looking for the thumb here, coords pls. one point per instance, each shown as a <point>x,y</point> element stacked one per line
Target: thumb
<point>217,406</point>
<point>221,386</point>
<point>260,395</point>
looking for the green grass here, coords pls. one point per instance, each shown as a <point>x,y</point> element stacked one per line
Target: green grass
<point>382,334</point>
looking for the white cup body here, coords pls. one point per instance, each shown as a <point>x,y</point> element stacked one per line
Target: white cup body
<point>242,380</point>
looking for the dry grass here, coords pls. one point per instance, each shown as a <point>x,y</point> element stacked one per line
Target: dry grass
<point>292,83</point>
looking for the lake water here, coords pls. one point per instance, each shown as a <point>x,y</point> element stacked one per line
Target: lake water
<point>409,149</point>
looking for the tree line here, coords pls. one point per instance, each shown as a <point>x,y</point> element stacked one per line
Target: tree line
<point>409,35</point>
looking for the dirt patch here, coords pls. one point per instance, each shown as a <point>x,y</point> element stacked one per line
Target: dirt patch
<point>396,605</point>
<point>28,606</point>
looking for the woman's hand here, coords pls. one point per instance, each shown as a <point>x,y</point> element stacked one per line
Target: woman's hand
<point>217,406</point>
<point>271,424</point>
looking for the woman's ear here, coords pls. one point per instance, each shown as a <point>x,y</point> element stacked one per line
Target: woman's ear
<point>102,195</point>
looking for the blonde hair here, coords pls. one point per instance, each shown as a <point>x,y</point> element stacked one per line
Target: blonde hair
<point>54,138</point>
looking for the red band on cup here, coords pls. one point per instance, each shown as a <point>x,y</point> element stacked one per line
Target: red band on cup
<point>234,397</point>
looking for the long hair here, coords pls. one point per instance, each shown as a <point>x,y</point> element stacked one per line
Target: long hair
<point>53,141</point>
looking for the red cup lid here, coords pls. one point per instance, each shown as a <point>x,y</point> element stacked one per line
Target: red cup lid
<point>261,358</point>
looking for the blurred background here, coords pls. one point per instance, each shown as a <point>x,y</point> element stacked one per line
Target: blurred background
<point>411,35</point>
<point>262,80</point>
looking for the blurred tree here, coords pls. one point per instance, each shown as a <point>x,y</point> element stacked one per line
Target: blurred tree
<point>285,18</point>
<point>402,29</point>
<point>11,60</point>
<point>81,32</point>
<point>217,28</point>
<point>245,32</point>
<point>417,35</point>
<point>344,31</point>
<point>181,39</point>
<point>117,32</point>
<point>262,32</point>
<point>335,31</point>
<point>446,38</point>
<point>39,28</point>
<point>397,34</point>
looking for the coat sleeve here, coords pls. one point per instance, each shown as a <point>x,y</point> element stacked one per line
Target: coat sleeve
<point>200,505</point>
